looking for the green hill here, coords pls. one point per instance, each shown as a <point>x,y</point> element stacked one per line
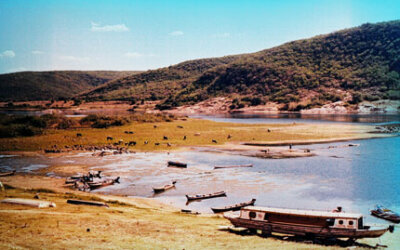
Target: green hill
<point>350,65</point>
<point>23,86</point>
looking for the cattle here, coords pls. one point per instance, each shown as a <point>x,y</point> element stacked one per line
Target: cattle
<point>132,143</point>
<point>184,137</point>
<point>146,142</point>
<point>165,138</point>
<point>169,144</point>
<point>214,141</point>
<point>78,135</point>
<point>120,141</point>
<point>180,126</point>
<point>229,136</point>
<point>109,138</point>
<point>156,143</point>
<point>154,126</point>
<point>269,130</point>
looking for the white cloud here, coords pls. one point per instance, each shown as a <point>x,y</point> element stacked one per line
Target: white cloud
<point>37,52</point>
<point>222,35</point>
<point>176,33</point>
<point>7,53</point>
<point>74,59</point>
<point>137,55</point>
<point>109,28</point>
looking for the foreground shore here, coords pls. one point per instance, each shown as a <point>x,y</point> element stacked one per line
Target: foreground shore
<point>138,223</point>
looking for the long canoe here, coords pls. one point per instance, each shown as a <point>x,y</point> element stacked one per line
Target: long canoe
<point>205,196</point>
<point>89,203</point>
<point>164,188</point>
<point>234,207</point>
<point>235,166</point>
<point>177,164</point>
<point>7,173</point>
<point>95,185</point>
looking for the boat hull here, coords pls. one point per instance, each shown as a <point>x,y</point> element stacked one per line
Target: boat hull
<point>232,208</point>
<point>305,230</point>
<point>394,219</point>
<point>202,197</point>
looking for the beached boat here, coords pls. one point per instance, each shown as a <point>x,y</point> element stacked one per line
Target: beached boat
<point>233,207</point>
<point>235,166</point>
<point>164,188</point>
<point>205,196</point>
<point>89,203</point>
<point>386,214</point>
<point>7,173</point>
<point>177,164</point>
<point>99,184</point>
<point>306,223</point>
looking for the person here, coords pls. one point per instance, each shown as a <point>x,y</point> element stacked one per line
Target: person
<point>1,187</point>
<point>290,146</point>
<point>337,210</point>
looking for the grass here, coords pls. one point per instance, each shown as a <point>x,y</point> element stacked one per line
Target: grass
<point>176,130</point>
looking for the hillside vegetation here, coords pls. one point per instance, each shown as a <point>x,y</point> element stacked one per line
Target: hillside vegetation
<point>352,65</point>
<point>24,86</point>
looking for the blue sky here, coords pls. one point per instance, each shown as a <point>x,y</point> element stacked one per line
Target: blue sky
<point>138,35</point>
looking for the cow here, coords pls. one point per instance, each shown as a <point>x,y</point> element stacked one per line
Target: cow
<point>214,141</point>
<point>109,138</point>
<point>184,137</point>
<point>146,142</point>
<point>156,143</point>
<point>165,138</point>
<point>78,135</point>
<point>132,143</point>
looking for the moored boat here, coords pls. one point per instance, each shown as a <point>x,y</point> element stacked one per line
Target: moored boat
<point>234,207</point>
<point>7,173</point>
<point>205,196</point>
<point>95,185</point>
<point>307,223</point>
<point>164,188</point>
<point>177,164</point>
<point>386,214</point>
<point>235,166</point>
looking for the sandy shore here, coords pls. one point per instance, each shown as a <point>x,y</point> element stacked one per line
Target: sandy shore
<point>138,223</point>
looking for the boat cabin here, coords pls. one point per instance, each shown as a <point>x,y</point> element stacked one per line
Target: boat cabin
<point>303,217</point>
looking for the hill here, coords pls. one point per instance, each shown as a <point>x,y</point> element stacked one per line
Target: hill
<point>23,86</point>
<point>349,65</point>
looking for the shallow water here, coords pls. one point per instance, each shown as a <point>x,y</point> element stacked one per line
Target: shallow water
<point>355,178</point>
<point>304,118</point>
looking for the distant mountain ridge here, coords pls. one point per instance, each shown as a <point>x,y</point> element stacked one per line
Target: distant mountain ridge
<point>46,85</point>
<point>349,65</point>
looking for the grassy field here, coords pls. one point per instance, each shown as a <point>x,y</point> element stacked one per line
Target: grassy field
<point>198,132</point>
<point>127,224</point>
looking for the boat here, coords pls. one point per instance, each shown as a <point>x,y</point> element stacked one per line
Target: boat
<point>89,203</point>
<point>233,207</point>
<point>386,214</point>
<point>205,196</point>
<point>177,164</point>
<point>235,166</point>
<point>164,188</point>
<point>7,173</point>
<point>99,184</point>
<point>308,223</point>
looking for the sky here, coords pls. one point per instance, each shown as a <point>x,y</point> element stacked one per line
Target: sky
<point>139,35</point>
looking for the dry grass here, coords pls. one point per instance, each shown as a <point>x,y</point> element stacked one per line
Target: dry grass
<point>208,131</point>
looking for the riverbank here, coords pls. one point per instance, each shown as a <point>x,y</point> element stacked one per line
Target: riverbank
<point>180,134</point>
<point>128,223</point>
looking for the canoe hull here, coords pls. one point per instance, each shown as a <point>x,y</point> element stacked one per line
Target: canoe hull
<point>394,219</point>
<point>206,196</point>
<point>235,207</point>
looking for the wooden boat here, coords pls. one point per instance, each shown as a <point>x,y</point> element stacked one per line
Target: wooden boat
<point>233,207</point>
<point>386,214</point>
<point>177,164</point>
<point>7,173</point>
<point>95,185</point>
<point>306,223</point>
<point>29,202</point>
<point>164,188</point>
<point>235,166</point>
<point>89,203</point>
<point>205,196</point>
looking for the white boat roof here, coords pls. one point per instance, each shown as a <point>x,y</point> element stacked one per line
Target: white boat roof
<point>305,212</point>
